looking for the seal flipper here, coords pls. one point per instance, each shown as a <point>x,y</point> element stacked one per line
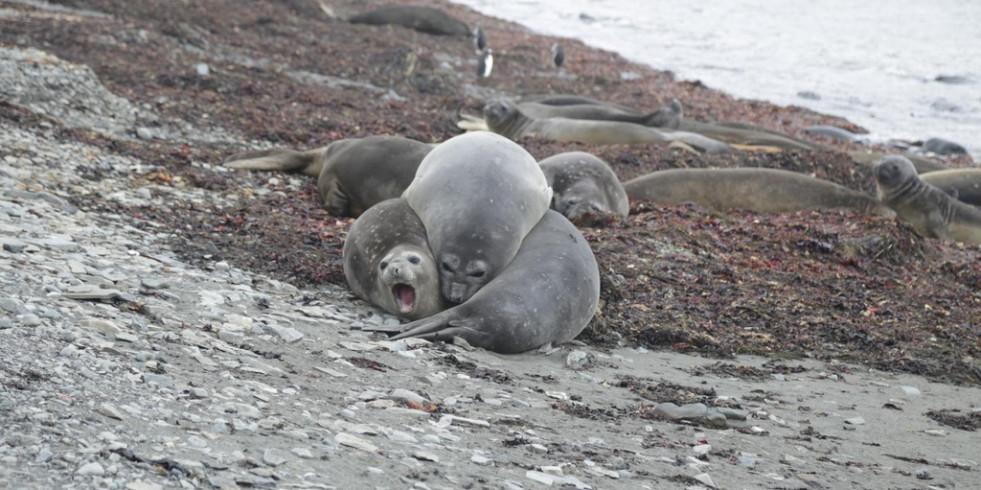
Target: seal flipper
<point>436,328</point>
<point>279,159</point>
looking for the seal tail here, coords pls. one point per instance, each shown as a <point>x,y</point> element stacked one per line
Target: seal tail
<point>279,159</point>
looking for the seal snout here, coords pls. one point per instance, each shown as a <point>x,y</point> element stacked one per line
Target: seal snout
<point>405,297</point>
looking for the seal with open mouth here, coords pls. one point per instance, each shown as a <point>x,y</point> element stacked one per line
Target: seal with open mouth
<point>387,261</point>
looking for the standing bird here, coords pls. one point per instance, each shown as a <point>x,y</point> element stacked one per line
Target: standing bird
<point>485,64</point>
<point>558,55</point>
<point>479,39</point>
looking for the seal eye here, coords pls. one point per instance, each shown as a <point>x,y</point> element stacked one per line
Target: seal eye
<point>478,275</point>
<point>446,266</point>
<point>383,265</point>
<point>414,259</point>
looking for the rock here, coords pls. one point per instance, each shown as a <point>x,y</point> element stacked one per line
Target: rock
<point>91,469</point>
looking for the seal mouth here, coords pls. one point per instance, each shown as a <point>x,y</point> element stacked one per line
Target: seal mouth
<point>405,297</point>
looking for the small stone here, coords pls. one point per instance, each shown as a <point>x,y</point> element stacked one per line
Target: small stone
<point>29,320</point>
<point>43,456</point>
<point>141,485</point>
<point>302,452</point>
<point>354,441</point>
<point>910,390</point>
<point>855,421</point>
<point>478,459</point>
<point>425,456</point>
<point>110,411</point>
<point>91,469</point>
<point>202,69</point>
<point>705,479</point>
<point>577,359</point>
<point>923,474</point>
<point>274,457</point>
<point>144,133</point>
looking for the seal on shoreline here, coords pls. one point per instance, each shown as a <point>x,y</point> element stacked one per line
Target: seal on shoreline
<point>836,133</point>
<point>423,19</point>
<point>668,117</point>
<point>548,294</point>
<point>943,147</point>
<point>963,184</point>
<point>583,183</point>
<point>505,118</point>
<point>931,212</point>
<point>478,195</point>
<point>388,263</point>
<point>352,174</point>
<point>761,190</point>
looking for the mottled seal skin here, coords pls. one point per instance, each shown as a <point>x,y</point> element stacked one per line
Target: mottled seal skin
<point>505,118</point>
<point>478,195</point>
<point>352,174</point>
<point>963,184</point>
<point>668,117</point>
<point>761,190</point>
<point>423,19</point>
<point>548,294</point>
<point>582,183</point>
<point>930,211</point>
<point>388,263</point>
<point>836,133</point>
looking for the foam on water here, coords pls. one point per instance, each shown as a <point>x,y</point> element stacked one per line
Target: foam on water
<point>906,69</point>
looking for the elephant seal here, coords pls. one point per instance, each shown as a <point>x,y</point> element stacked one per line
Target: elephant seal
<point>548,293</point>
<point>944,147</point>
<point>352,174</point>
<point>582,183</point>
<point>423,19</point>
<point>931,212</point>
<point>478,195</point>
<point>668,117</point>
<point>505,118</point>
<point>761,190</point>
<point>922,165</point>
<point>963,184</point>
<point>836,133</point>
<point>388,263</point>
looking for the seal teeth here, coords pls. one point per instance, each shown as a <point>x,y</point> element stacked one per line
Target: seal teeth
<point>405,296</point>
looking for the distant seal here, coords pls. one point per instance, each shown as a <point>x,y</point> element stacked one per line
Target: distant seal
<point>505,118</point>
<point>668,116</point>
<point>922,164</point>
<point>388,263</point>
<point>931,212</point>
<point>548,294</point>
<point>352,174</point>
<point>963,184</point>
<point>761,190</point>
<point>836,133</point>
<point>582,183</point>
<point>943,147</point>
<point>478,195</point>
<point>423,19</point>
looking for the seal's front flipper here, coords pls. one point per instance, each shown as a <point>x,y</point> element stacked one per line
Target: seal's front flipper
<point>279,159</point>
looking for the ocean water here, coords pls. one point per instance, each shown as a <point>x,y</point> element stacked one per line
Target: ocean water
<point>902,69</point>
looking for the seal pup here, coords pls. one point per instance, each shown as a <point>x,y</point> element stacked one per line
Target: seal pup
<point>963,184</point>
<point>505,118</point>
<point>423,19</point>
<point>352,174</point>
<point>548,294</point>
<point>583,183</point>
<point>388,263</point>
<point>478,195</point>
<point>761,190</point>
<point>931,212</point>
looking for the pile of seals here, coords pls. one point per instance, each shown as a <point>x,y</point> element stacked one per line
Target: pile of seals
<point>467,247</point>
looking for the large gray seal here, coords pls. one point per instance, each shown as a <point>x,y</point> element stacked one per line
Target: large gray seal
<point>478,195</point>
<point>423,19</point>
<point>387,261</point>
<point>583,183</point>
<point>352,174</point>
<point>930,211</point>
<point>505,118</point>
<point>961,183</point>
<point>762,190</point>
<point>548,293</point>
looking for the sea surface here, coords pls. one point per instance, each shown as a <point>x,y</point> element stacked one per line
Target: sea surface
<point>902,69</point>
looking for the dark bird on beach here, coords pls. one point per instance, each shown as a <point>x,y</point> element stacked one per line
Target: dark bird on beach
<point>479,39</point>
<point>558,55</point>
<point>486,64</point>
